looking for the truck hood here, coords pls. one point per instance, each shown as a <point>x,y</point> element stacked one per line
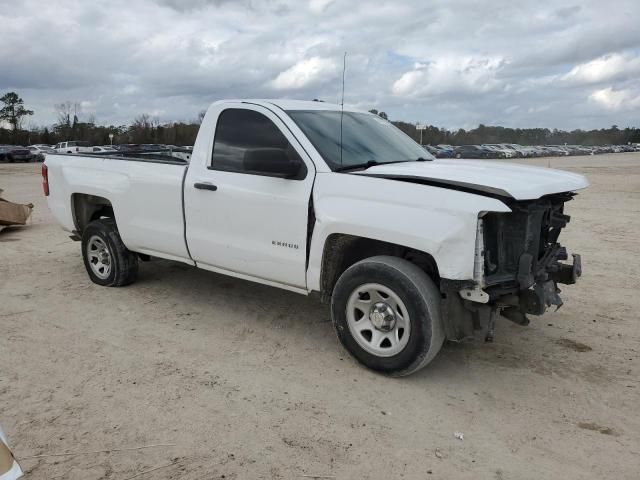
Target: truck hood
<point>501,179</point>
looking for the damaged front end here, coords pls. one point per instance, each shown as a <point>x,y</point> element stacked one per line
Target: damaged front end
<point>518,265</point>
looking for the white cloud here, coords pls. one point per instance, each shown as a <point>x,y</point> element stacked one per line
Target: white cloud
<point>319,6</point>
<point>605,68</point>
<point>88,106</point>
<point>305,73</point>
<point>451,75</point>
<point>616,99</point>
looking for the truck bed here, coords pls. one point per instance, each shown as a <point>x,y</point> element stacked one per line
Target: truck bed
<point>144,191</point>
<point>174,156</point>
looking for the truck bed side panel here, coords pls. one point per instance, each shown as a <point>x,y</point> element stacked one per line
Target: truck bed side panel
<point>146,199</point>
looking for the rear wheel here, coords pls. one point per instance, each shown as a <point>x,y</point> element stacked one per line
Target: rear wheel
<point>386,312</point>
<point>108,262</point>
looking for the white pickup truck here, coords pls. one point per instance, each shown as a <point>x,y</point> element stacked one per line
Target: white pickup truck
<point>408,250</point>
<point>72,147</point>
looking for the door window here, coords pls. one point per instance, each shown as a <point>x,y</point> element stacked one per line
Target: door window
<point>248,142</point>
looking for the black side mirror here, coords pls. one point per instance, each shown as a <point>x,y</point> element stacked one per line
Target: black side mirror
<point>273,162</point>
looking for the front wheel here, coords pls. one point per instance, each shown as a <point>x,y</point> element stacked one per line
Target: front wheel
<point>386,312</point>
<point>108,262</point>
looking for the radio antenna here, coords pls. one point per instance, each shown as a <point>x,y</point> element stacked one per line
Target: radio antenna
<point>344,69</point>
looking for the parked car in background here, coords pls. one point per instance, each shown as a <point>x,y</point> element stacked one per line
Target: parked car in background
<point>555,150</point>
<point>491,152</point>
<point>523,151</point>
<point>103,149</point>
<point>73,147</point>
<point>528,151</point>
<point>15,153</point>
<point>128,147</point>
<point>39,151</point>
<point>3,152</point>
<point>579,150</point>
<point>439,152</point>
<point>154,147</point>
<point>503,151</point>
<point>471,151</point>
<point>178,152</point>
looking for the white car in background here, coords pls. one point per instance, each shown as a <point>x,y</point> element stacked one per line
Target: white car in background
<point>39,151</point>
<point>519,149</point>
<point>103,149</point>
<point>528,151</point>
<point>72,147</point>
<point>503,151</point>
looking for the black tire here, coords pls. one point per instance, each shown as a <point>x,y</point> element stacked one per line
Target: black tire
<point>421,299</point>
<point>123,263</point>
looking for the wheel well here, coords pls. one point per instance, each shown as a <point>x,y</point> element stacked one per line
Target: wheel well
<point>341,251</point>
<point>87,208</point>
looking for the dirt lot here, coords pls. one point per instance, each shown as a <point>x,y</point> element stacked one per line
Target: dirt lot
<point>247,381</point>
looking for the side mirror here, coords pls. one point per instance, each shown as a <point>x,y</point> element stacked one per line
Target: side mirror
<point>273,162</point>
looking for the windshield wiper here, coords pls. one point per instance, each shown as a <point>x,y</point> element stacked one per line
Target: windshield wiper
<point>373,163</point>
<point>358,166</point>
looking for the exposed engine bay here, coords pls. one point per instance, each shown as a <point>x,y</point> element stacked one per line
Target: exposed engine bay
<point>520,264</point>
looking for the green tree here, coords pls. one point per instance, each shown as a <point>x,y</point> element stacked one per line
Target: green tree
<point>13,110</point>
<point>380,114</point>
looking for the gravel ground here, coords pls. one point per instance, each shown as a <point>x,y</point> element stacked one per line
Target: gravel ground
<point>236,380</point>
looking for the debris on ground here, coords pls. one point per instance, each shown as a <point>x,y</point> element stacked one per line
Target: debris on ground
<point>459,435</point>
<point>573,345</point>
<point>596,428</point>
<point>13,213</point>
<point>9,468</point>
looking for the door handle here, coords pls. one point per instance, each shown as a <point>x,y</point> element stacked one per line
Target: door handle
<point>205,186</point>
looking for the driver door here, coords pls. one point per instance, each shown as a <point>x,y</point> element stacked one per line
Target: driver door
<point>246,214</point>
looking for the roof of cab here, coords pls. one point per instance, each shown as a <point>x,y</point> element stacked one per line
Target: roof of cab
<point>287,104</point>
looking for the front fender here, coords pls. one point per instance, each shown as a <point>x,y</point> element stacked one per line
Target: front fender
<point>434,220</point>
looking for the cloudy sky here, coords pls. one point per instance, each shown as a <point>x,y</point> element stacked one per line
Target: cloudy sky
<point>449,63</point>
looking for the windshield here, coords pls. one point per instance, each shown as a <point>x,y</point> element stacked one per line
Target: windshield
<point>366,138</point>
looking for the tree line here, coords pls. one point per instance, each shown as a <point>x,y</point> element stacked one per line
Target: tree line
<point>147,129</point>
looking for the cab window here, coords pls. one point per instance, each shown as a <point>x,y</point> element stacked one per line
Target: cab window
<point>248,142</point>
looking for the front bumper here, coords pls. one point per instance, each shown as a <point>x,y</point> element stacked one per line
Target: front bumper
<point>519,262</point>
<point>545,292</point>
